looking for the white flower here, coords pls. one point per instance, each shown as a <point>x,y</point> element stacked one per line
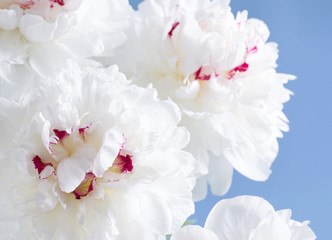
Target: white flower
<point>38,20</point>
<point>221,72</point>
<point>38,36</point>
<point>88,156</point>
<point>44,20</point>
<point>247,218</point>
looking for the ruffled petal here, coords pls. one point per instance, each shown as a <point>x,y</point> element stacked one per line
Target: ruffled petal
<point>36,29</point>
<point>8,19</point>
<point>112,144</point>
<point>271,227</point>
<point>235,218</point>
<point>45,197</point>
<point>72,170</point>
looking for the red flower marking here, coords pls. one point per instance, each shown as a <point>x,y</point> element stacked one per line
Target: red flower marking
<point>86,186</point>
<point>122,145</point>
<point>252,51</point>
<point>27,5</point>
<point>242,68</point>
<point>170,33</point>
<point>60,134</point>
<point>198,75</point>
<point>122,164</point>
<point>82,131</point>
<point>39,165</point>
<point>60,2</point>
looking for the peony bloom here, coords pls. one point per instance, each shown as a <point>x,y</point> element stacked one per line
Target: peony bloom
<point>38,20</point>
<point>220,70</point>
<point>44,20</point>
<point>247,218</point>
<point>88,156</point>
<point>38,36</point>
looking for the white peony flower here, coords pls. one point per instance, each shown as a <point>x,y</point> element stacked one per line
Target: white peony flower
<point>220,70</point>
<point>43,20</point>
<point>38,20</point>
<point>88,156</point>
<point>247,218</point>
<point>38,36</point>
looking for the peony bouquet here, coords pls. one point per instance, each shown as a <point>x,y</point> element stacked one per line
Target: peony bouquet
<point>113,122</point>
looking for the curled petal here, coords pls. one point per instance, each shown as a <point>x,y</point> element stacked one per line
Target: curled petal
<point>235,218</point>
<point>111,146</point>
<point>72,170</point>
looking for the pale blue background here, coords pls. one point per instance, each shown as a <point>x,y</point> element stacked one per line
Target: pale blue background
<point>302,173</point>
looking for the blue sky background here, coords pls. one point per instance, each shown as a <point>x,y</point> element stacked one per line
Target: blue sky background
<point>302,173</point>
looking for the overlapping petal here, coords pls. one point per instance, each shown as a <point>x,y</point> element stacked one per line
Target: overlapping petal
<point>246,218</point>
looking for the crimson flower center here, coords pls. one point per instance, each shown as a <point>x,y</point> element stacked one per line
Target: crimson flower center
<point>62,145</point>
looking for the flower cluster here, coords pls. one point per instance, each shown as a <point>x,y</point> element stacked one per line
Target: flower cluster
<point>86,153</point>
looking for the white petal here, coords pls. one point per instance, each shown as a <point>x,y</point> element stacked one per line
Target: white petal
<point>299,231</point>
<point>191,43</point>
<point>45,197</point>
<point>168,162</point>
<point>157,208</point>
<point>176,192</point>
<point>192,232</point>
<point>151,219</point>
<point>47,226</point>
<point>189,91</point>
<point>71,171</point>
<point>90,45</point>
<point>36,29</point>
<point>233,219</point>
<point>111,146</point>
<point>177,138</point>
<point>165,113</point>
<point>8,19</point>
<point>48,171</point>
<point>93,210</point>
<point>49,57</point>
<point>220,174</point>
<point>201,189</point>
<point>241,148</point>
<point>66,200</point>
<point>272,227</point>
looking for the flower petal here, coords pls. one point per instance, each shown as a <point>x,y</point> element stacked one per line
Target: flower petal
<point>8,19</point>
<point>235,218</point>
<point>191,232</point>
<point>201,189</point>
<point>36,29</point>
<point>72,170</point>
<point>45,197</point>
<point>272,227</point>
<point>112,144</point>
<point>220,174</point>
